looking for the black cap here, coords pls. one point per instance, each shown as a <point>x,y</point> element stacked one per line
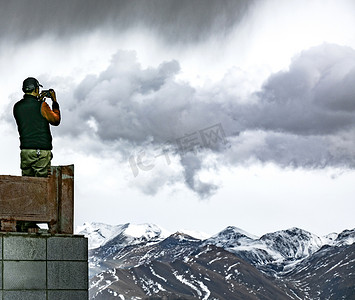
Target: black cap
<point>30,84</point>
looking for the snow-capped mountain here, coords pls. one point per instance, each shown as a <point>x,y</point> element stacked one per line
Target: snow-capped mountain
<point>279,251</point>
<point>143,261</point>
<point>347,237</point>
<point>292,243</point>
<point>231,237</point>
<point>209,273</point>
<point>176,246</point>
<point>100,234</point>
<point>273,252</point>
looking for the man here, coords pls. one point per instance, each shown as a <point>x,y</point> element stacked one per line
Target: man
<point>33,117</point>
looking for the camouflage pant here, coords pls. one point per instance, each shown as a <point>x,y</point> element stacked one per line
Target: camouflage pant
<point>35,162</point>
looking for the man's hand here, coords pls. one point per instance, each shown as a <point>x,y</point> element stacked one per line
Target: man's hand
<point>53,96</point>
<point>48,94</point>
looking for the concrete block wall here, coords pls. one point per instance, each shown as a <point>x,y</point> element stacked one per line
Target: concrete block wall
<point>43,267</point>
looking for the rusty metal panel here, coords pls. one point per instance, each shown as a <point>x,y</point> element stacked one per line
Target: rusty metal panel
<point>8,225</point>
<point>65,180</point>
<point>25,198</point>
<point>49,200</point>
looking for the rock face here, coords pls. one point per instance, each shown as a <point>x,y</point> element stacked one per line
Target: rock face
<point>327,274</point>
<point>145,262</point>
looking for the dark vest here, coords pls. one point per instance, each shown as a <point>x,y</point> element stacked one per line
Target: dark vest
<point>32,126</point>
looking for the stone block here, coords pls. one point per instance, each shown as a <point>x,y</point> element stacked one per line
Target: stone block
<point>67,248</point>
<point>0,248</point>
<point>65,295</point>
<point>22,247</point>
<point>43,267</point>
<point>0,276</point>
<point>28,295</point>
<point>24,275</point>
<point>67,275</point>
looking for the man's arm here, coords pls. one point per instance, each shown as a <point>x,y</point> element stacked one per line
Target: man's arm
<point>51,115</point>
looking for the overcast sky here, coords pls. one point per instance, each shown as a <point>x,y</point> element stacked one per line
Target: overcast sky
<point>193,114</point>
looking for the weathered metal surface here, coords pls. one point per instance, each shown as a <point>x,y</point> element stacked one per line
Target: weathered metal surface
<point>8,225</point>
<point>25,197</point>
<point>65,183</point>
<point>43,200</point>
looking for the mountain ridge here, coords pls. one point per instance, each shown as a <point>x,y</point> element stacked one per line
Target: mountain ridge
<point>151,265</point>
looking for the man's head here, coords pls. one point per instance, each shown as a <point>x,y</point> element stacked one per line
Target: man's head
<point>31,85</point>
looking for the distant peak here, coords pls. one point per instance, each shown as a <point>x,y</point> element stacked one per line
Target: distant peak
<point>237,231</point>
<point>145,230</point>
<point>296,229</point>
<point>293,231</point>
<point>183,236</point>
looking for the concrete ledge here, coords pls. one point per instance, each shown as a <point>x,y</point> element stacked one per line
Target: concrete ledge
<point>43,266</point>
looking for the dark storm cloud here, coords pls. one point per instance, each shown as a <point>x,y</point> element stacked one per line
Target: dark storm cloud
<point>314,97</point>
<point>192,165</point>
<point>305,116</point>
<point>129,102</point>
<point>174,21</point>
<point>302,117</point>
<point>295,151</point>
